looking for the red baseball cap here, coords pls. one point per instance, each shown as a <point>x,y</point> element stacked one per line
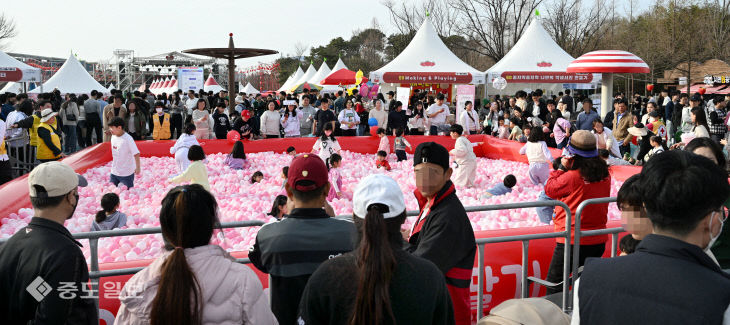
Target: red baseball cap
<point>307,167</point>
<point>245,114</point>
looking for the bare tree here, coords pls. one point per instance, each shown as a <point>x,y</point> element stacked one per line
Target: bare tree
<point>299,49</point>
<point>408,17</point>
<point>576,28</point>
<point>7,29</point>
<point>720,28</point>
<point>495,26</point>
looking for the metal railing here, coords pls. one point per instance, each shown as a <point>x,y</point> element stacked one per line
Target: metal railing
<point>588,233</point>
<point>22,159</point>
<point>524,239</point>
<point>94,237</point>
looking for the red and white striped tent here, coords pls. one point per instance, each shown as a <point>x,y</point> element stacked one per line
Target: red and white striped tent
<point>211,85</point>
<point>608,62</point>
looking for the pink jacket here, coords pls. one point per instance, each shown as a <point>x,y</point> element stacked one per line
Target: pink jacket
<point>231,292</point>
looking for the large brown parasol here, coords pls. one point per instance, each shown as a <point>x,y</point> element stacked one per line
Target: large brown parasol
<point>231,53</point>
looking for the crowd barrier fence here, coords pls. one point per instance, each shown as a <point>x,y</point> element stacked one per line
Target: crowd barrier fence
<point>96,274</point>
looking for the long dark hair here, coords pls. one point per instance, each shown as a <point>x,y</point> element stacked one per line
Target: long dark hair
<point>187,218</point>
<point>591,169</point>
<point>109,203</point>
<point>700,118</point>
<point>278,201</point>
<point>328,127</point>
<point>237,151</point>
<point>332,160</point>
<point>292,113</point>
<point>379,240</point>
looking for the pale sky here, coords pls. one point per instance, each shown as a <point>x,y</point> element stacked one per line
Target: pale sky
<point>94,28</point>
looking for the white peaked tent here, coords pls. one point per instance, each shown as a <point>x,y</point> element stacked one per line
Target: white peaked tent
<point>249,89</point>
<point>165,86</point>
<point>30,74</point>
<point>322,73</point>
<point>12,87</point>
<point>305,78</point>
<point>536,61</point>
<point>72,78</point>
<point>294,77</point>
<point>427,60</point>
<point>211,85</point>
<point>338,66</point>
<point>111,86</point>
<point>240,87</point>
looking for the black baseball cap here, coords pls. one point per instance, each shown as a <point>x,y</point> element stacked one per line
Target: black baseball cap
<point>431,152</point>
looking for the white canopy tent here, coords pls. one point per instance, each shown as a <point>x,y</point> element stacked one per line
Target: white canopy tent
<point>294,77</point>
<point>427,60</point>
<point>111,86</point>
<point>249,89</point>
<point>339,65</point>
<point>12,87</point>
<point>173,86</point>
<point>72,78</point>
<point>28,73</point>
<point>322,73</point>
<point>537,62</point>
<point>305,78</point>
<point>211,85</point>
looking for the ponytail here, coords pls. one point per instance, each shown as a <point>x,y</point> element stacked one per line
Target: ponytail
<point>187,219</point>
<point>375,265</point>
<point>109,203</point>
<point>100,216</point>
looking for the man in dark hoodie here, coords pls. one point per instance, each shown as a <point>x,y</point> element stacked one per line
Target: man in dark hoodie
<point>442,233</point>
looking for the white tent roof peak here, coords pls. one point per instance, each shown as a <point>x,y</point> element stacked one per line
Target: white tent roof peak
<point>293,78</point>
<point>250,89</point>
<point>339,65</point>
<point>322,73</point>
<point>72,77</point>
<point>305,78</point>
<point>534,51</point>
<point>427,60</point>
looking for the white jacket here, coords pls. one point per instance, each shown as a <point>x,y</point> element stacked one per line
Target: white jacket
<point>231,293</point>
<point>291,125</point>
<point>185,141</point>
<point>611,142</point>
<point>469,124</point>
<point>270,123</point>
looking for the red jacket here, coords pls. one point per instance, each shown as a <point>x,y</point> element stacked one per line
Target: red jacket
<point>383,163</point>
<point>570,188</point>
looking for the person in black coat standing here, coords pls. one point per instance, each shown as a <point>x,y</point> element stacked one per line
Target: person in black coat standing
<point>442,233</point>
<point>397,118</point>
<point>536,107</point>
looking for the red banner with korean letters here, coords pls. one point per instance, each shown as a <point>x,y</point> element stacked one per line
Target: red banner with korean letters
<point>428,77</point>
<point>546,77</point>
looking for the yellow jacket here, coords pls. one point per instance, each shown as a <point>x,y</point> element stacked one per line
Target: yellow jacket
<point>44,152</point>
<point>196,173</point>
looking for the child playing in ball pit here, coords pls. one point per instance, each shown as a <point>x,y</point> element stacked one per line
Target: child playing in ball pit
<point>257,177</point>
<point>196,173</point>
<point>333,164</point>
<point>109,217</point>
<point>237,158</point>
<point>382,160</point>
<point>503,188</point>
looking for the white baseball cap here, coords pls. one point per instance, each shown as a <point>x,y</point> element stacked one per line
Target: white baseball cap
<point>56,178</point>
<point>46,115</point>
<point>378,189</point>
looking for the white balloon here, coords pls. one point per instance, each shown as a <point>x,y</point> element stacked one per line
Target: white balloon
<point>499,83</point>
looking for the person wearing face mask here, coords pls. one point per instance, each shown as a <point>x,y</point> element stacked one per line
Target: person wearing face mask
<point>161,126</point>
<point>670,274</point>
<point>46,250</point>
<point>706,147</point>
<point>442,233</point>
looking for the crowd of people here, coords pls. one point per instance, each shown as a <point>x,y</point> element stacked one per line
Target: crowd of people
<point>368,270</point>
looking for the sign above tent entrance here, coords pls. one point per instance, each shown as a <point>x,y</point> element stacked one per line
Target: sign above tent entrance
<point>427,77</point>
<point>546,77</point>
<point>10,74</point>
